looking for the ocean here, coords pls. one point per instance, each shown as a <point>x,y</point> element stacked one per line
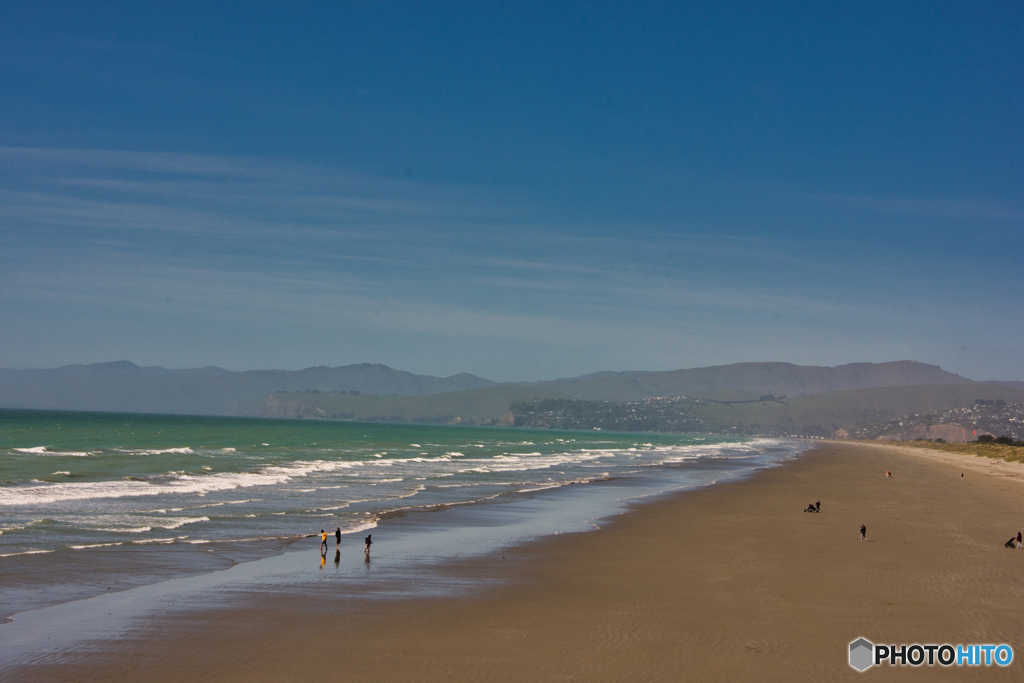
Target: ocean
<point>94,502</point>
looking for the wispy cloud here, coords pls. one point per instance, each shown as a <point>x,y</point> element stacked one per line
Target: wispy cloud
<point>255,244</point>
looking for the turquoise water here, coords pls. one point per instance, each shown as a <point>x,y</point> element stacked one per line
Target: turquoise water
<point>76,481</point>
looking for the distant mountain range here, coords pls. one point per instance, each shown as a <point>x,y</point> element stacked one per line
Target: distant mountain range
<point>767,378</point>
<point>358,391</point>
<point>125,387</point>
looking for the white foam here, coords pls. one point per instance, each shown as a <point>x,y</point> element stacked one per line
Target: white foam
<point>156,451</point>
<point>44,494</point>
<point>41,450</point>
<point>28,552</point>
<point>175,522</point>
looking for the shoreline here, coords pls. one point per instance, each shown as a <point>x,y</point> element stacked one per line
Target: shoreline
<point>416,544</point>
<point>726,582</point>
<point>130,554</point>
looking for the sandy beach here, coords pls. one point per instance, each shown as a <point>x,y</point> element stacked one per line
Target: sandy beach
<point>731,582</point>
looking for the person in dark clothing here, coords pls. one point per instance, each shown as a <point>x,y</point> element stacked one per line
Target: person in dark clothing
<point>817,506</point>
<point>368,544</point>
<point>337,536</point>
<point>863,532</point>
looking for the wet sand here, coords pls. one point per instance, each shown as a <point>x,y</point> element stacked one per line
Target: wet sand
<point>732,582</point>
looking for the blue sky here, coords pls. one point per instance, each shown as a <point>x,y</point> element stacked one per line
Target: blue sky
<point>518,190</point>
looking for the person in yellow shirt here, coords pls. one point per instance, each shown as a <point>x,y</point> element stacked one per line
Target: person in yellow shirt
<point>323,541</point>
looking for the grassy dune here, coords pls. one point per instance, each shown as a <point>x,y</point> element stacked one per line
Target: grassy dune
<point>985,450</point>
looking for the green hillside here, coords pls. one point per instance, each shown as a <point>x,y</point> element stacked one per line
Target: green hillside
<point>486,405</point>
<point>824,413</point>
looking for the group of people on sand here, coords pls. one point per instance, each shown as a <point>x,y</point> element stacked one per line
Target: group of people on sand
<point>816,507</point>
<point>337,540</point>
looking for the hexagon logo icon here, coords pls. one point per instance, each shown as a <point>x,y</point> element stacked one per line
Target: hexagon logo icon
<point>861,654</point>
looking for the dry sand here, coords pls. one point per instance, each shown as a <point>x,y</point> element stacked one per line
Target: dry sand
<point>729,583</point>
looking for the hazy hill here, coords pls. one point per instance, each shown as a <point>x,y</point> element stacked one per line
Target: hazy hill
<point>781,379</point>
<point>859,411</point>
<point>486,405</point>
<point>822,414</point>
<point>1015,385</point>
<point>125,387</point>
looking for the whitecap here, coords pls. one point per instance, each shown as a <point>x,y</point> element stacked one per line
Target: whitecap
<point>175,522</point>
<point>155,451</point>
<point>41,450</point>
<point>28,552</point>
<point>179,483</point>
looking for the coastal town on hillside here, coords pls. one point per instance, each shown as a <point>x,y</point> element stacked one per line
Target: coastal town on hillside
<point>995,418</point>
<point>680,414</point>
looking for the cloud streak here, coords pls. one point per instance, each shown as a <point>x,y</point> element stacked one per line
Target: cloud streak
<point>241,245</point>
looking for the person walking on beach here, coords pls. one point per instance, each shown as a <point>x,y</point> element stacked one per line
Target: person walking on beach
<point>337,537</point>
<point>1019,546</point>
<point>863,533</point>
<point>323,542</point>
<point>368,544</point>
